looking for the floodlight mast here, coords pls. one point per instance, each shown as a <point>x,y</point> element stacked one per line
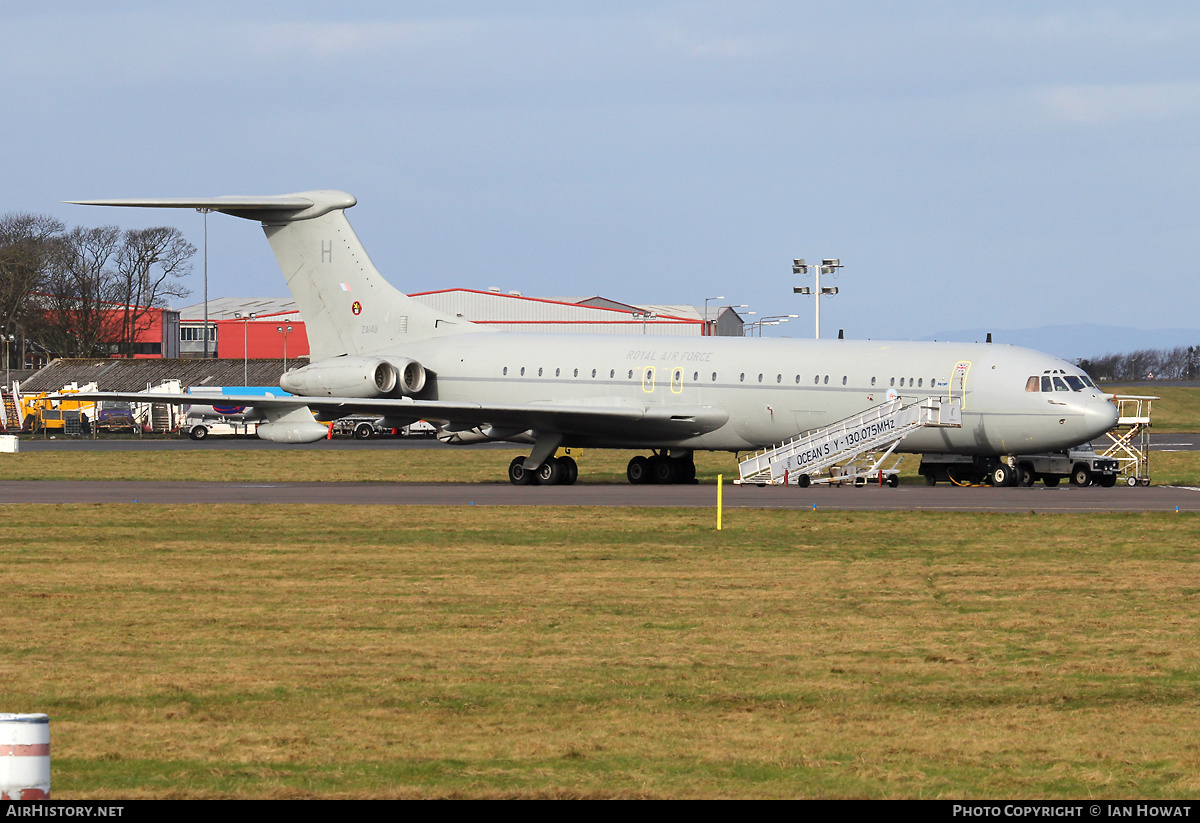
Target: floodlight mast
<point>829,265</point>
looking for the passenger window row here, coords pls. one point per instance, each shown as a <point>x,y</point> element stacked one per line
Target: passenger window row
<point>919,382</point>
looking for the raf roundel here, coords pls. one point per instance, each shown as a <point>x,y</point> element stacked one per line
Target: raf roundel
<point>356,307</point>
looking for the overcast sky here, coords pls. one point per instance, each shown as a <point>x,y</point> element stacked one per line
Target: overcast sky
<point>1008,164</point>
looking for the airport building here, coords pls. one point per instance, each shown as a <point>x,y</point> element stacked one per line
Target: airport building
<point>272,328</point>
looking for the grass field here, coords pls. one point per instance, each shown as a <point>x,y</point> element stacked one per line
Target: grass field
<point>1176,410</point>
<point>281,651</point>
<point>186,651</point>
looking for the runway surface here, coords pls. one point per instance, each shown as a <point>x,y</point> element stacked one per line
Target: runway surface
<point>1063,499</point>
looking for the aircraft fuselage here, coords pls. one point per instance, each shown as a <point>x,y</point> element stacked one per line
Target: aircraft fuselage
<point>772,389</point>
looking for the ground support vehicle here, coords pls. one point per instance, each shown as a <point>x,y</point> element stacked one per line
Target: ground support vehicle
<point>865,471</point>
<point>198,428</point>
<point>116,416</point>
<point>364,428</point>
<point>361,428</point>
<point>47,412</point>
<point>847,449</point>
<point>1080,465</point>
<point>1129,440</point>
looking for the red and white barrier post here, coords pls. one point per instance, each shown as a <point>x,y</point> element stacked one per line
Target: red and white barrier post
<point>24,756</point>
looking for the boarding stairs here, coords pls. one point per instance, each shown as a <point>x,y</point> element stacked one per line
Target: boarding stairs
<point>1129,440</point>
<point>802,459</point>
<point>11,419</point>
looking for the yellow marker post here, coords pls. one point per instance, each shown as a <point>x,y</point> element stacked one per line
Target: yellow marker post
<point>720,489</point>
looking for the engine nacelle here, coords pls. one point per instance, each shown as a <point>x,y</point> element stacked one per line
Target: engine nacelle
<point>412,376</point>
<point>344,377</point>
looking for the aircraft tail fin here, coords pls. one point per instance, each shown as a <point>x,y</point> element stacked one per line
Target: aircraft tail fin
<point>347,305</point>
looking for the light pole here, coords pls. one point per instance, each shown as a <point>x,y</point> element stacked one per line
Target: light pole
<point>8,339</point>
<point>205,213</point>
<point>829,265</point>
<point>777,318</point>
<point>707,326</point>
<point>245,344</point>
<point>749,325</point>
<point>644,315</point>
<point>284,330</point>
<point>710,326</point>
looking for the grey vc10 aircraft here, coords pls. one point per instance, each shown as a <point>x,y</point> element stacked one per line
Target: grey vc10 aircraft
<point>374,350</point>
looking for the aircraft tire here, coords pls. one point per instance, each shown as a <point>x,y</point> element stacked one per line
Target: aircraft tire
<point>518,475</point>
<point>638,471</point>
<point>1002,476</point>
<point>551,473</point>
<point>198,432</point>
<point>687,471</point>
<point>664,470</point>
<point>570,470</point>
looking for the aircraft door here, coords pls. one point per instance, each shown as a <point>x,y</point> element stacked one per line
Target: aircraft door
<point>958,382</point>
<point>648,380</point>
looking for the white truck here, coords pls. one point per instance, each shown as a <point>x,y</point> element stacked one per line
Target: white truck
<point>1081,465</point>
<point>366,427</point>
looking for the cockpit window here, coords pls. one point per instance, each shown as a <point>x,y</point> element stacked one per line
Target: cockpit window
<point>1059,385</point>
<point>1046,384</point>
<point>1074,382</point>
<point>1031,384</point>
<point>1087,381</point>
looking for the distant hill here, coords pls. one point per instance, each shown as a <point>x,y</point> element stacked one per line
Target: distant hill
<point>1078,341</point>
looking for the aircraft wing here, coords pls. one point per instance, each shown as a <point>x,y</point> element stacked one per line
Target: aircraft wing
<point>623,420</point>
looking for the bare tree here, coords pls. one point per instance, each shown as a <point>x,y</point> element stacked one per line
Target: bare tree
<point>150,264</point>
<point>1179,363</point>
<point>27,242</point>
<point>77,316</point>
<point>1173,363</point>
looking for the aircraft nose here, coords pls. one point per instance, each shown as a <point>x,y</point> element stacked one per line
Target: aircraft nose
<point>1099,415</point>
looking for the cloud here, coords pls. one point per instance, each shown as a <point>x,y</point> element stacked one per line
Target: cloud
<point>1117,104</point>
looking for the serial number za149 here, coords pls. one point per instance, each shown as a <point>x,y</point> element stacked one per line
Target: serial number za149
<point>370,330</point>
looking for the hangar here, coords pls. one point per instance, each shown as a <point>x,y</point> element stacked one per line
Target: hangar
<point>273,327</point>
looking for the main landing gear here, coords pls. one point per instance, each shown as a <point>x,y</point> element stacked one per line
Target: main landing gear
<point>555,471</point>
<point>660,468</point>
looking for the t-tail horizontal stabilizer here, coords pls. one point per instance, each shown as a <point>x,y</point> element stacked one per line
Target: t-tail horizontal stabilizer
<point>279,208</point>
<point>347,306</point>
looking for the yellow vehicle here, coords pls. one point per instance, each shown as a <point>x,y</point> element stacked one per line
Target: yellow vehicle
<point>43,414</point>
